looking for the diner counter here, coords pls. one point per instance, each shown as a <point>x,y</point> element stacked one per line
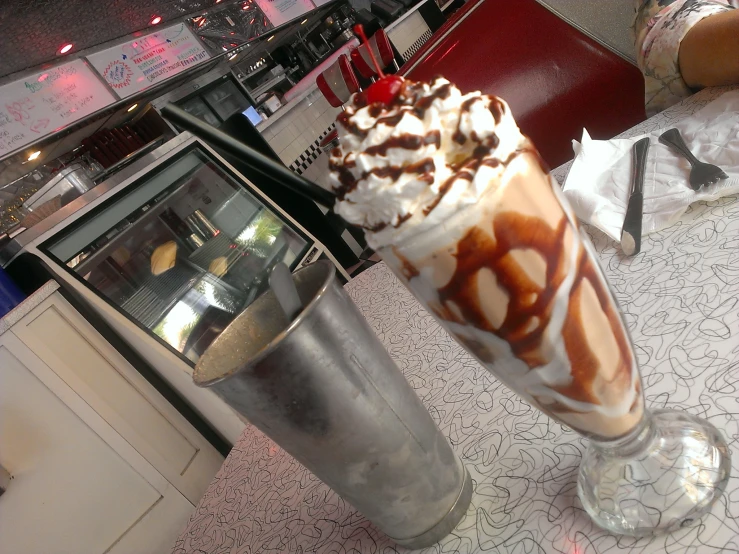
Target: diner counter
<point>679,300</point>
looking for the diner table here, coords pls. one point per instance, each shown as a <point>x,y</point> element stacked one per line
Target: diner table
<point>679,299</point>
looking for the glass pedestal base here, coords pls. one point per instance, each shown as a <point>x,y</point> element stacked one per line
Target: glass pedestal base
<point>663,476</point>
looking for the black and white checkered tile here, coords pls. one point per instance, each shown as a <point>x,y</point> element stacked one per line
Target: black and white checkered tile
<point>416,46</point>
<point>310,154</point>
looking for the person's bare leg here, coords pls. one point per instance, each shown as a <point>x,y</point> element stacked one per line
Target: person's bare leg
<point>709,53</point>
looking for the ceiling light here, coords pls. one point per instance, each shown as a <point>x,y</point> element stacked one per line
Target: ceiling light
<point>132,108</point>
<point>270,38</point>
<point>66,48</point>
<point>304,21</point>
<point>155,20</point>
<point>233,57</point>
<point>35,155</point>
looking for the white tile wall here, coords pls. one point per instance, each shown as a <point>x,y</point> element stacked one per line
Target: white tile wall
<point>318,171</point>
<point>294,132</point>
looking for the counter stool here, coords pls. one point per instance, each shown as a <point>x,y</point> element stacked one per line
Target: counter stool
<point>383,50</point>
<point>338,82</point>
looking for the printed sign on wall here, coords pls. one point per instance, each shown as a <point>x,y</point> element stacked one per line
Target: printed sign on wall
<point>44,102</point>
<point>140,63</point>
<point>282,11</point>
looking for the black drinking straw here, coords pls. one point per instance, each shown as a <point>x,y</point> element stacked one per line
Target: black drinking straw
<point>260,162</point>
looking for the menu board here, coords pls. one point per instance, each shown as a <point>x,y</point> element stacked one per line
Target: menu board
<point>44,102</point>
<point>282,11</point>
<point>140,63</point>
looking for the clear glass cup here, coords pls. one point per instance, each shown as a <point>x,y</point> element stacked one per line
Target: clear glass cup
<point>516,282</point>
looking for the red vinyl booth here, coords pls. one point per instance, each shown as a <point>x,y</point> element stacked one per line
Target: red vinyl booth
<point>556,79</point>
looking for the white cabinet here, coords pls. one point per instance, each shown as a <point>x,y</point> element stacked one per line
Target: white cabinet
<point>77,486</point>
<point>102,377</point>
<point>100,462</point>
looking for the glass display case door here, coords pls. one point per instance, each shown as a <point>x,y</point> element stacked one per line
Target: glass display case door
<point>182,251</point>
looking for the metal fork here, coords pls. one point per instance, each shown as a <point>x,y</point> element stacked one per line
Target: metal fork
<point>701,172</point>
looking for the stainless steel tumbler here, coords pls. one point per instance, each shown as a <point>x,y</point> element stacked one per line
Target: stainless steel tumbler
<point>324,388</point>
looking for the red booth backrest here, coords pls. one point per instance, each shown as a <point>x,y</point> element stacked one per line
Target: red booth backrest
<point>556,79</point>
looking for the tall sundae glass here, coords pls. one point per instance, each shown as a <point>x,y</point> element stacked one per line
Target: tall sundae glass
<point>460,206</point>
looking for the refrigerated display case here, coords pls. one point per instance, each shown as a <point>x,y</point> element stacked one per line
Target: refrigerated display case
<point>182,252</point>
<point>168,252</point>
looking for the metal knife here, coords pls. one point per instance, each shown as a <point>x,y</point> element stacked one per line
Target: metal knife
<point>631,231</point>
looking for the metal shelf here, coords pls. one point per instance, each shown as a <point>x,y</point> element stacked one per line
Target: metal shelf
<point>256,71</point>
<point>159,293</point>
<point>268,85</point>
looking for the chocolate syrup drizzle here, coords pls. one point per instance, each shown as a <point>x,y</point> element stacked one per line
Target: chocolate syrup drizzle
<point>531,306</point>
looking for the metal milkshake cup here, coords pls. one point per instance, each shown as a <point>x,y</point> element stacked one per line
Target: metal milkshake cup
<point>325,389</point>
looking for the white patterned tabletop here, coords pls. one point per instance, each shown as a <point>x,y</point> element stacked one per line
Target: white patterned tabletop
<point>680,300</point>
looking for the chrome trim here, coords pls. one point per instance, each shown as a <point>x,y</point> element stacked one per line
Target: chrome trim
<point>407,14</point>
<point>71,212</point>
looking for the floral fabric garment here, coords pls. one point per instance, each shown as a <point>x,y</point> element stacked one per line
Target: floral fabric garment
<point>659,26</point>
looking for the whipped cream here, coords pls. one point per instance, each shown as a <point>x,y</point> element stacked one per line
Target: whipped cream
<point>404,168</point>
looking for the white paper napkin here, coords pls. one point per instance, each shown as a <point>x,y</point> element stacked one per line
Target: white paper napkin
<point>599,182</point>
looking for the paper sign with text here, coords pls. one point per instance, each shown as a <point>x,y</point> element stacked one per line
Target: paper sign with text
<point>38,105</point>
<point>143,62</point>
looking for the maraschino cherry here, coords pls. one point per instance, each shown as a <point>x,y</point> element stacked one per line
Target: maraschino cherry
<point>387,87</point>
